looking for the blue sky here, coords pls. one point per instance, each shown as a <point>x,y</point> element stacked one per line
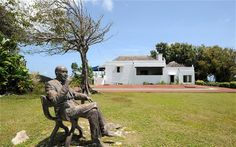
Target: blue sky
<point>138,25</point>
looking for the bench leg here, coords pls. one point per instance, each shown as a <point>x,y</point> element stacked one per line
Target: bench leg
<point>64,127</point>
<point>80,131</point>
<point>52,136</point>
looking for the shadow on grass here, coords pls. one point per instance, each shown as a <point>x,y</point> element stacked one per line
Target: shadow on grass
<point>60,141</point>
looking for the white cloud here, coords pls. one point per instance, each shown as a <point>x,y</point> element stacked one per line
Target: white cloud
<point>107,4</point>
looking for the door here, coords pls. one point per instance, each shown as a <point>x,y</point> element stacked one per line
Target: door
<point>172,78</point>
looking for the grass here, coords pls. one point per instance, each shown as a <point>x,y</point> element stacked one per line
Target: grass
<point>158,119</point>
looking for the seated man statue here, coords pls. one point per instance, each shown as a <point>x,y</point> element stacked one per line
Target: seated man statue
<point>59,92</point>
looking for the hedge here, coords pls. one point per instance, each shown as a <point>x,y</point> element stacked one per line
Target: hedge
<point>231,84</point>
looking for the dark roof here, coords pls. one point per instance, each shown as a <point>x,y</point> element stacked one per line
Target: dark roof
<point>130,58</point>
<point>98,68</point>
<point>174,64</point>
<point>44,78</point>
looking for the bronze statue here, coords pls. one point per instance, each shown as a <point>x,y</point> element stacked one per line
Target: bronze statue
<point>59,92</point>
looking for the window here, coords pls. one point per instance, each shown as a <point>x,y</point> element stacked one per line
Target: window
<point>149,70</point>
<point>143,72</point>
<point>118,69</point>
<point>187,78</point>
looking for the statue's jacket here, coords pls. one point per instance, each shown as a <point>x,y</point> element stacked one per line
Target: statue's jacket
<point>63,97</point>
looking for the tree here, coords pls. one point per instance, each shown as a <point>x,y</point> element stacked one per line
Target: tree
<point>14,77</point>
<point>13,22</point>
<point>182,53</point>
<point>77,74</point>
<point>66,26</point>
<point>213,60</point>
<point>217,61</point>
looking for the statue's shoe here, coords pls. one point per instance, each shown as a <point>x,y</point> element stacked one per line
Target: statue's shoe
<point>97,143</point>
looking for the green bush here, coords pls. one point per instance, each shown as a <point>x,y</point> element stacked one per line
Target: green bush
<point>162,83</point>
<point>200,82</point>
<point>38,86</point>
<point>233,84</point>
<point>224,84</point>
<point>212,84</point>
<point>14,76</point>
<point>147,83</point>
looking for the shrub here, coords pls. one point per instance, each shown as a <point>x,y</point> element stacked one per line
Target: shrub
<point>147,83</point>
<point>224,84</point>
<point>233,84</point>
<point>14,76</point>
<point>200,82</point>
<point>38,86</point>
<point>162,83</point>
<point>212,84</point>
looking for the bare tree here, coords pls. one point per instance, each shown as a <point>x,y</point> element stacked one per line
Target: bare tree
<point>65,25</point>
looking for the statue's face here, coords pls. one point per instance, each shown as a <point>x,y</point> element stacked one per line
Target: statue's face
<point>62,74</point>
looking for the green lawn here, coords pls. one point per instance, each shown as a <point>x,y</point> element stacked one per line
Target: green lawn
<point>158,119</point>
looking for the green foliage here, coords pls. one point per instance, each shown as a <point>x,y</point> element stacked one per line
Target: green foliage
<point>66,26</point>
<point>13,21</point>
<point>153,54</point>
<point>38,87</point>
<point>77,74</point>
<point>162,83</point>
<point>224,84</point>
<point>182,53</point>
<point>147,83</point>
<point>200,82</point>
<point>14,77</point>
<point>213,60</point>
<point>212,83</point>
<point>233,84</point>
<point>217,61</point>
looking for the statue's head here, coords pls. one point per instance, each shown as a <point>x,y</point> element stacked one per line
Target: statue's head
<point>61,73</point>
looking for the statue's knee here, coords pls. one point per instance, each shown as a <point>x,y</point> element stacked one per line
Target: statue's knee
<point>94,110</point>
<point>93,113</point>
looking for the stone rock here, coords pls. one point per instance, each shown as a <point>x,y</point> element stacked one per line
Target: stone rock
<point>119,133</point>
<point>20,137</point>
<point>118,143</point>
<point>112,126</point>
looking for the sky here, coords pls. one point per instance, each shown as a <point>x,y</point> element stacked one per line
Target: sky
<point>138,25</point>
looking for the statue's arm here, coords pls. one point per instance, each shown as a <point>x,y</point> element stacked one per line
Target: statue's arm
<point>54,96</point>
<point>80,96</point>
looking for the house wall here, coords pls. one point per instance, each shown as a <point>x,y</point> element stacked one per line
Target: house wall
<point>186,71</point>
<point>140,79</point>
<point>127,75</point>
<point>124,77</point>
<point>179,72</point>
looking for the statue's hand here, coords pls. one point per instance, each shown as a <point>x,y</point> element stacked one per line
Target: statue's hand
<point>68,81</point>
<point>89,99</point>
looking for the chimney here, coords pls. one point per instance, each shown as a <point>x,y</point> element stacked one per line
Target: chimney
<point>159,57</point>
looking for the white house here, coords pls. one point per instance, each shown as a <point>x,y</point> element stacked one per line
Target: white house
<point>131,70</point>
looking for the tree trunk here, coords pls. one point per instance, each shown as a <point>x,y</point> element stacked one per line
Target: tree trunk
<point>84,83</point>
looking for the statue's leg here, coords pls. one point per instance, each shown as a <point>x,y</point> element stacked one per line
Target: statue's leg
<point>90,112</point>
<point>101,121</point>
<point>94,124</point>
